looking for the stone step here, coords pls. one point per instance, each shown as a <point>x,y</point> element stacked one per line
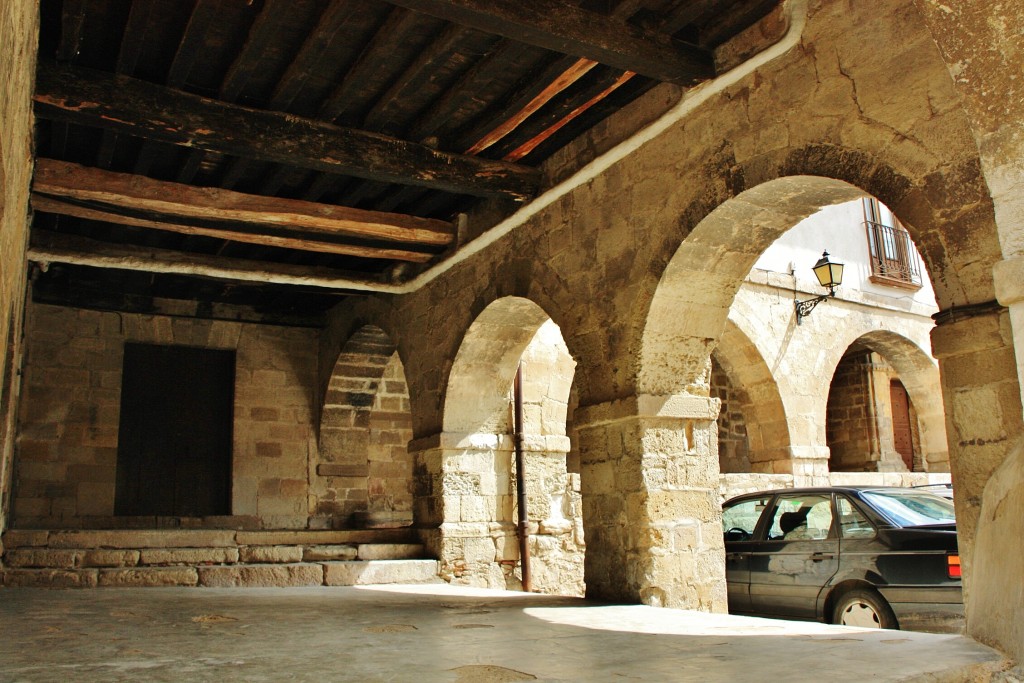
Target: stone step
<point>197,538</point>
<point>83,558</point>
<point>376,572</point>
<point>343,573</point>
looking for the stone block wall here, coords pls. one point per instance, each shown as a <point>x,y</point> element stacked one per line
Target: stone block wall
<point>850,426</point>
<point>68,431</point>
<point>859,420</point>
<point>363,475</point>
<point>733,446</point>
<point>389,482</point>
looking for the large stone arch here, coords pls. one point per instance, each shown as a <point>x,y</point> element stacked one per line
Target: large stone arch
<point>364,472</point>
<point>691,301</point>
<point>762,406</point>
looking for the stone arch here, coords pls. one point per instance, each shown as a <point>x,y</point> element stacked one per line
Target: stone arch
<point>732,226</point>
<point>691,303</point>
<point>761,402</point>
<point>477,397</point>
<point>364,473</point>
<point>919,375</point>
<point>477,452</point>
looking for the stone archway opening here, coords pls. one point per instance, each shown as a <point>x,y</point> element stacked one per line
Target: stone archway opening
<point>687,319</point>
<point>885,411</point>
<point>479,529</point>
<point>752,433</point>
<point>364,474</point>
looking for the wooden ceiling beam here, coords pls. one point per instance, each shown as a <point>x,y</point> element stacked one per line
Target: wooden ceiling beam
<point>94,185</point>
<point>50,247</point>
<point>93,98</point>
<point>266,237</point>
<point>561,27</point>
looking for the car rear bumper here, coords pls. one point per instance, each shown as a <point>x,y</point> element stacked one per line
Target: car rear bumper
<point>936,609</point>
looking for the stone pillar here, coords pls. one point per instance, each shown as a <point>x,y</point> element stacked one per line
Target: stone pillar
<point>649,478</point>
<point>557,547</point>
<point>463,507</point>
<point>808,464</point>
<point>983,418</point>
<point>880,412</point>
<point>1008,276</point>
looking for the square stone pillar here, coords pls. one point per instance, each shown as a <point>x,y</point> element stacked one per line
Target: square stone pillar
<point>463,505</point>
<point>649,479</point>
<point>983,415</point>
<point>1008,276</point>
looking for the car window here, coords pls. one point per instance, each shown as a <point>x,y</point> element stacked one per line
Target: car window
<point>852,522</point>
<point>803,517</point>
<point>911,508</point>
<point>739,519</point>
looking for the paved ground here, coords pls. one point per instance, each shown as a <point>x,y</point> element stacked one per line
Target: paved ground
<point>437,633</point>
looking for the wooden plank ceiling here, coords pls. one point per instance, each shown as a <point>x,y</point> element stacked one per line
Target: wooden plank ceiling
<point>210,150</point>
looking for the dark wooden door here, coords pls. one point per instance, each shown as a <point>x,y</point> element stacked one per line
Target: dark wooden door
<point>901,431</point>
<point>174,442</point>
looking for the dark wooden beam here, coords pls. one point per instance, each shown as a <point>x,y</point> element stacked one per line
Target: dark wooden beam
<point>72,22</point>
<point>50,247</point>
<point>143,109</point>
<point>561,27</point>
<point>563,80</point>
<point>415,77</point>
<point>738,17</point>
<point>396,28</point>
<point>132,45</point>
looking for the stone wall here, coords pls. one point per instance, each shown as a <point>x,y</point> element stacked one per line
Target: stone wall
<point>851,422</point>
<point>68,436</point>
<point>733,445</point>
<point>18,36</point>
<point>389,482</point>
<point>364,472</point>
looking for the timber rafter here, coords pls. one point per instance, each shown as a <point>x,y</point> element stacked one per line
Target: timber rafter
<point>136,107</point>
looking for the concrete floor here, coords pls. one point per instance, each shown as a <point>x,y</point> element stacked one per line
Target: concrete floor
<point>438,633</point>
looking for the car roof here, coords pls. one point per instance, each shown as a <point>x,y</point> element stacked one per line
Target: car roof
<point>826,489</point>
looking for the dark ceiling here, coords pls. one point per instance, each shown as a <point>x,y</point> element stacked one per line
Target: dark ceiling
<point>405,110</point>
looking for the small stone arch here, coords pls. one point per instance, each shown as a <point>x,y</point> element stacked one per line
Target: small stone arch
<point>364,471</point>
<point>758,399</point>
<point>882,354</point>
<point>479,452</point>
<point>477,397</point>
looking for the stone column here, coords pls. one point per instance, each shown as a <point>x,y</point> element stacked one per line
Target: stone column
<point>649,478</point>
<point>1008,276</point>
<point>462,505</point>
<point>983,418</point>
<point>555,519</point>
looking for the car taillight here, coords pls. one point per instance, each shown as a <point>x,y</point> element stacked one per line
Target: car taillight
<point>953,566</point>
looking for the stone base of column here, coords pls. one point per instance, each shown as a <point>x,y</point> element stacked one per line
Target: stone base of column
<point>650,497</point>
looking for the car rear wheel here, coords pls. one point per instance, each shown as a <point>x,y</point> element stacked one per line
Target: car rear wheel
<point>864,608</point>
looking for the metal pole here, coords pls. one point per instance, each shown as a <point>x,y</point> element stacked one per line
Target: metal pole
<point>517,429</point>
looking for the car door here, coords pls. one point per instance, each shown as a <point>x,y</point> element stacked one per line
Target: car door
<point>797,557</point>
<point>739,524</point>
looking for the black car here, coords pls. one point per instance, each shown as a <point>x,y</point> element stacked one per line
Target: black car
<point>880,557</point>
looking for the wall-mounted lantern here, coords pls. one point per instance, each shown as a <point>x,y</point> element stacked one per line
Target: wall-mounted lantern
<point>830,276</point>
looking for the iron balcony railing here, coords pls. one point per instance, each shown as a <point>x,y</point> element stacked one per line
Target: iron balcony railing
<point>893,256</point>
